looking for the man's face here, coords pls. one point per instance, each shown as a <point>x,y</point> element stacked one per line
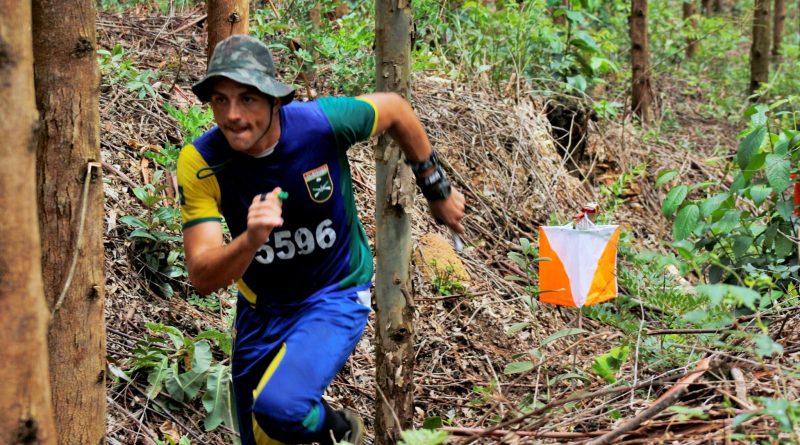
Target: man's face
<point>243,114</point>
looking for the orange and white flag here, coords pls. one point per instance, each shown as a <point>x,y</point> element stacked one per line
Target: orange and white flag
<point>579,265</point>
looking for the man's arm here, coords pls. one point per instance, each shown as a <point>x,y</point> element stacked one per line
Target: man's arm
<point>212,263</point>
<point>396,116</point>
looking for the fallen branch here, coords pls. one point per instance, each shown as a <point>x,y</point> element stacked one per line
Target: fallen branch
<point>122,176</point>
<point>556,403</point>
<point>542,434</point>
<point>665,401</point>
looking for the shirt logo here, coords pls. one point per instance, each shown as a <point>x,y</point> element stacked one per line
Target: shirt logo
<point>319,184</point>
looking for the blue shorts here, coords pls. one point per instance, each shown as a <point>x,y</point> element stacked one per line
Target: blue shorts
<point>286,355</point>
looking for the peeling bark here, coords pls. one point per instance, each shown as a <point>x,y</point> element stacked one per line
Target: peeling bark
<point>67,87</point>
<point>395,189</point>
<point>26,415</point>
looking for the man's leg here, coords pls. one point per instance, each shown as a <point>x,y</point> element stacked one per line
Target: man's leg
<point>288,402</point>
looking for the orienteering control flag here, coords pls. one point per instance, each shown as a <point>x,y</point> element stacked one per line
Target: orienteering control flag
<point>582,266</point>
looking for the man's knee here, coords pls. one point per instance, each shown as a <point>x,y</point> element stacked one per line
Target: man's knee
<point>284,413</point>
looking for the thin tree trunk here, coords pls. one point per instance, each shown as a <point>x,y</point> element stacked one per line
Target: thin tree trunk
<point>690,21</point>
<point>71,214</point>
<point>777,30</point>
<point>707,7</point>
<point>25,406</point>
<point>759,51</point>
<point>641,94</point>
<point>395,190</point>
<point>225,18</point>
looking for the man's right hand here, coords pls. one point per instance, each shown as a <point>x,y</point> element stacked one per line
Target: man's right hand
<point>263,216</point>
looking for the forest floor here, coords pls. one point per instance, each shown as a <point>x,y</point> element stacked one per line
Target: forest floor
<point>468,329</point>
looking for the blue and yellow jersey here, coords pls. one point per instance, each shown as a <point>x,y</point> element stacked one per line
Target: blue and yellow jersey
<point>322,244</point>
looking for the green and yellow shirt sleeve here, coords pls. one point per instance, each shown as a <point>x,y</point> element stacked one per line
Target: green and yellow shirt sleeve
<point>353,119</point>
<point>200,195</point>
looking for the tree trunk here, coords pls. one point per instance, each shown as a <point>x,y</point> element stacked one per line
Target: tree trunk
<point>759,51</point>
<point>25,406</point>
<point>225,18</point>
<point>777,30</point>
<point>395,194</point>
<point>71,214</point>
<point>707,6</point>
<point>641,94</point>
<point>690,21</point>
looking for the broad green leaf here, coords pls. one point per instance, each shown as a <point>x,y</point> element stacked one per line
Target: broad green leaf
<point>573,16</point>
<point>142,193</point>
<point>757,115</point>
<point>222,339</point>
<point>766,346</point>
<point>685,222</point>
<point>133,221</point>
<point>664,177</point>
<point>783,246</point>
<point>759,193</point>
<point>578,82</point>
<point>608,365</point>
<point>432,423</point>
<point>165,288</point>
<point>778,168</point>
<point>156,377</point>
<point>423,437</point>
<point>785,209</point>
<point>561,334</point>
<point>750,145</point>
<point>710,205</point>
<point>744,417</point>
<point>174,334</point>
<point>516,327</point>
<point>744,296</point>
<point>739,182</point>
<point>202,357</point>
<point>785,412</point>
<point>174,386</point>
<point>674,199</point>
<point>781,145</point>
<point>741,244</point>
<point>166,214</point>
<point>729,221</point>
<point>172,271</point>
<point>218,399</point>
<point>755,166</point>
<point>517,367</point>
<point>142,233</point>
<point>172,257</point>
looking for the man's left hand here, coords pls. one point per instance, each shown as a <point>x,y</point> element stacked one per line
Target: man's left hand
<point>450,211</point>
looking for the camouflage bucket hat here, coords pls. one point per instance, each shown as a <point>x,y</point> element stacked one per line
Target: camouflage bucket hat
<point>246,60</point>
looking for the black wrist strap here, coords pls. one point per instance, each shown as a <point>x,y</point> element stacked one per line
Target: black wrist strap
<point>420,167</point>
<point>435,186</point>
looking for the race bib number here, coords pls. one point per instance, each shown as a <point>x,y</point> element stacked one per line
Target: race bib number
<point>302,242</point>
